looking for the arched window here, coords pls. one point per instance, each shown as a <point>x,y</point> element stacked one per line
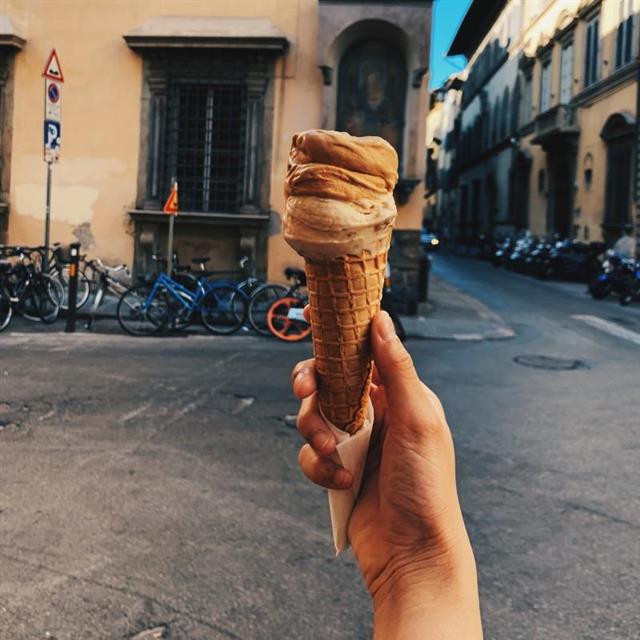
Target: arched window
<point>372,85</point>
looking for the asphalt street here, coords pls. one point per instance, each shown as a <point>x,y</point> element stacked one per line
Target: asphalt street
<point>149,482</point>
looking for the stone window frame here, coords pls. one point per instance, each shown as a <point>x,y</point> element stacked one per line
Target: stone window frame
<point>259,82</point>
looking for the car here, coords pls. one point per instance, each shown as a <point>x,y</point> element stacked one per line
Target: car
<point>428,241</point>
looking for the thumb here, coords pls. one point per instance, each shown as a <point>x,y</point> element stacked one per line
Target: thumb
<point>393,362</point>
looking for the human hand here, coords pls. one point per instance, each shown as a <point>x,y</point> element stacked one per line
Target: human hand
<point>406,529</point>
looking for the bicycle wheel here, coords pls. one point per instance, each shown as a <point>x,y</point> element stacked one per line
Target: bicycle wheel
<point>84,288</point>
<point>259,304</point>
<point>285,320</point>
<point>140,316</point>
<point>223,309</point>
<point>41,299</point>
<point>6,310</point>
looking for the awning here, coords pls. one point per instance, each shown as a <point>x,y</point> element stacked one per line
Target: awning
<point>9,37</point>
<point>208,33</point>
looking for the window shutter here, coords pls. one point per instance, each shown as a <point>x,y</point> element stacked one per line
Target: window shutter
<point>619,42</point>
<point>587,58</point>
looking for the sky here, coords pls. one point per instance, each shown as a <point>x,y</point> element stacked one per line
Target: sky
<point>447,16</point>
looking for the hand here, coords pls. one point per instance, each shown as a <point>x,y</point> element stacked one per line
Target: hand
<point>406,530</point>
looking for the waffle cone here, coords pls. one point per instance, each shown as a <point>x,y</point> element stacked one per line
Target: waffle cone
<point>344,295</point>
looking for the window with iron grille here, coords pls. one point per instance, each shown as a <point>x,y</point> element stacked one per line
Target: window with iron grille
<point>205,144</point>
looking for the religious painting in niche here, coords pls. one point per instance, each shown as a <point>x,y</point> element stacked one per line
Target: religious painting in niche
<point>372,84</point>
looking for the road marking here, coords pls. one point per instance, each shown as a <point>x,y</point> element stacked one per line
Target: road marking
<point>610,327</point>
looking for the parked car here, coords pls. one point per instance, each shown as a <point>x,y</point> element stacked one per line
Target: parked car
<point>429,241</point>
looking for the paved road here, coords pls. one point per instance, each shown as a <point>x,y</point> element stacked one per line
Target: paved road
<point>149,482</point>
<point>548,459</point>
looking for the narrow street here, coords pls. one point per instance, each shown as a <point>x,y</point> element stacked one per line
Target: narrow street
<point>154,481</point>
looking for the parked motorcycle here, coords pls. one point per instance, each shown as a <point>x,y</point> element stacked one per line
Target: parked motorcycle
<point>630,288</point>
<point>613,277</point>
<point>571,260</point>
<point>503,251</point>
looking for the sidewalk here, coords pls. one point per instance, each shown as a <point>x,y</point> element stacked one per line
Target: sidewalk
<point>453,315</point>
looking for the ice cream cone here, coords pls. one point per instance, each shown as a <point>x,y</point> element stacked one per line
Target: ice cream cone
<point>339,216</point>
<point>344,295</point>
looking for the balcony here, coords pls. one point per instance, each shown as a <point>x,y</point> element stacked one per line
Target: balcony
<point>557,124</point>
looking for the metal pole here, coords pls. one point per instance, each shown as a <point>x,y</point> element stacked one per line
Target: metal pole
<point>170,247</point>
<point>47,220</point>
<point>74,251</point>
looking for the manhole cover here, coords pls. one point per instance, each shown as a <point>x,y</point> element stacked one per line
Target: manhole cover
<point>550,363</point>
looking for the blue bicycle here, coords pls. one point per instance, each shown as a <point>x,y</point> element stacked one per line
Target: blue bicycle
<point>167,305</point>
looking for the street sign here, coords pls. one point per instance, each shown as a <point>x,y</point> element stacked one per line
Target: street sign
<point>52,140</point>
<point>171,205</point>
<point>52,69</point>
<point>52,99</point>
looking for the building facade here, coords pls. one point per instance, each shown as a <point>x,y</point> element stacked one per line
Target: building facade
<point>210,94</point>
<point>546,137</point>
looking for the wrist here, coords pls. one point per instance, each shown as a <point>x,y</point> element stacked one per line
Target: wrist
<point>428,597</point>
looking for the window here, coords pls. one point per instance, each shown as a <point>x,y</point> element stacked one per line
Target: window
<point>527,99</point>
<point>495,122</point>
<point>504,116</point>
<point>545,86</point>
<point>516,105</point>
<point>625,37</point>
<point>205,133</point>
<point>588,171</point>
<point>592,51</point>
<point>566,73</point>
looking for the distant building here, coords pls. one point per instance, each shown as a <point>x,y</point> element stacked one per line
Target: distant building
<point>209,93</point>
<point>441,181</point>
<point>547,129</point>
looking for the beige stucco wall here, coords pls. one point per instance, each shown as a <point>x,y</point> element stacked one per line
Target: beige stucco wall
<point>95,181</point>
<point>591,202</point>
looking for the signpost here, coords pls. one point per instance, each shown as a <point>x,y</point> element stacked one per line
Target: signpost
<point>53,79</point>
<point>171,207</point>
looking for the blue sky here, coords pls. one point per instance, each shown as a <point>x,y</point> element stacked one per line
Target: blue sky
<point>447,15</point>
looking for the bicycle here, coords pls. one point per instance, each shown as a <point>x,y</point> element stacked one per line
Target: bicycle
<point>265,295</point>
<point>167,305</point>
<point>285,318</point>
<point>36,295</point>
<point>58,262</point>
<point>110,280</point>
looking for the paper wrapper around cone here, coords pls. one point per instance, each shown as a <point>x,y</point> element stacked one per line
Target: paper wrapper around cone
<point>344,295</point>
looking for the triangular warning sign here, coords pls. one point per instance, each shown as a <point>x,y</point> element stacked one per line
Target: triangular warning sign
<point>171,205</point>
<point>53,69</point>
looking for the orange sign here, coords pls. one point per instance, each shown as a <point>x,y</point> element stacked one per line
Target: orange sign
<point>171,205</point>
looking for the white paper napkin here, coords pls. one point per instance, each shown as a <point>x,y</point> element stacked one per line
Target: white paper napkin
<point>351,453</point>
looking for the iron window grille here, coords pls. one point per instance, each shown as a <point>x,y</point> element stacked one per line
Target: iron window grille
<point>205,135</point>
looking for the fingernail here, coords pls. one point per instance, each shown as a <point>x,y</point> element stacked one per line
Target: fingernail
<point>300,374</point>
<point>385,325</point>
<point>342,479</point>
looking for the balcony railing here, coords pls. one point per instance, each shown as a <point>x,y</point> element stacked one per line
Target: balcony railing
<point>557,121</point>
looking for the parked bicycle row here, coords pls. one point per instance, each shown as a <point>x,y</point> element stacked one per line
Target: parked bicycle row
<point>605,271</point>
<point>34,282</point>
